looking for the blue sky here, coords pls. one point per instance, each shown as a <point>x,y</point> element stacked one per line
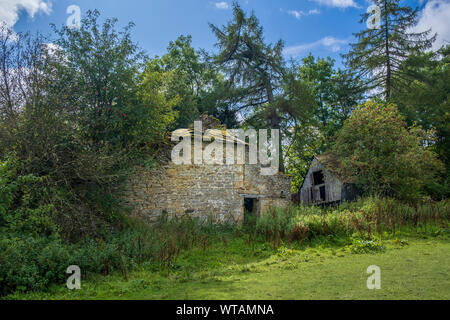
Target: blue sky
<point>323,27</point>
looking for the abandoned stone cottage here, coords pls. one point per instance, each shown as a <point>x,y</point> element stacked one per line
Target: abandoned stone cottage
<point>225,192</point>
<point>321,186</point>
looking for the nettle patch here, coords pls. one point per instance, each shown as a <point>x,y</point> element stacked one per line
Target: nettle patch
<point>359,245</point>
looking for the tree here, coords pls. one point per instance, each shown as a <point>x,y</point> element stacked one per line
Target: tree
<point>425,100</point>
<point>254,68</point>
<point>19,77</point>
<point>379,52</point>
<point>336,92</point>
<point>188,79</point>
<point>306,142</point>
<point>319,75</point>
<point>157,112</point>
<point>98,72</point>
<point>377,152</point>
<point>77,113</point>
<point>260,88</point>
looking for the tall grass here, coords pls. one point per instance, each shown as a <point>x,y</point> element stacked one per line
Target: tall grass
<point>30,263</point>
<point>366,216</point>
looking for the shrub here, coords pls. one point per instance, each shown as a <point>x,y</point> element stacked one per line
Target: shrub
<point>365,246</point>
<point>31,263</point>
<point>23,208</point>
<point>377,152</point>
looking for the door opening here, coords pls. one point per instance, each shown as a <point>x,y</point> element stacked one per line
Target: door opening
<point>250,211</point>
<point>322,193</point>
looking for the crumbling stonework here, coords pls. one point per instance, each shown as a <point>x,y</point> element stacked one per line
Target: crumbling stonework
<point>205,190</point>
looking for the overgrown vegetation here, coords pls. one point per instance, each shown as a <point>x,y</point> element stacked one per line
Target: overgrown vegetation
<point>79,108</point>
<point>377,153</point>
<point>366,218</point>
<point>32,262</point>
<point>359,227</point>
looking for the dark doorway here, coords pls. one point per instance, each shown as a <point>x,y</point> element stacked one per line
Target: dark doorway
<point>250,210</point>
<point>322,193</point>
<point>248,204</point>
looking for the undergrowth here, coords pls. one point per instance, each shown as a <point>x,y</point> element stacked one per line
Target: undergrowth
<point>180,246</point>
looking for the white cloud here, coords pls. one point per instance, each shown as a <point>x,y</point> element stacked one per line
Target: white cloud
<point>329,43</point>
<point>313,11</point>
<point>222,5</point>
<point>296,14</point>
<point>436,15</point>
<point>9,9</point>
<point>299,14</point>
<point>338,3</point>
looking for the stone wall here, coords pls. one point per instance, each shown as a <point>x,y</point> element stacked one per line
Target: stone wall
<point>204,190</point>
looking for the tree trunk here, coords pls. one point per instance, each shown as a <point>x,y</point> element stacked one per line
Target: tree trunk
<point>274,121</point>
<point>388,60</point>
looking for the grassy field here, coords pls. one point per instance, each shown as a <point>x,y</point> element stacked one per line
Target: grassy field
<point>415,268</point>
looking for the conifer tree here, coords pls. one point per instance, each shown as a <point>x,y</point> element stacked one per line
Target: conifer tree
<point>254,68</point>
<point>260,88</point>
<point>379,51</point>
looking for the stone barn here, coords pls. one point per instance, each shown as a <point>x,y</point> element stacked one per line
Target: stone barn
<point>225,192</point>
<point>321,186</point>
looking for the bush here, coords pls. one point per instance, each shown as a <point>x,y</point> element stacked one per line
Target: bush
<point>377,152</point>
<point>365,246</point>
<point>23,208</point>
<point>31,263</point>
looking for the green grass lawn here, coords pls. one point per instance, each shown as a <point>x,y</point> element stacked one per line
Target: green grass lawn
<point>418,270</point>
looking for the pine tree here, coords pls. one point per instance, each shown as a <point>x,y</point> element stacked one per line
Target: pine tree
<point>379,52</point>
<point>260,88</point>
<point>254,69</point>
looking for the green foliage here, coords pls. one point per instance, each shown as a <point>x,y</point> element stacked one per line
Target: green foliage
<point>259,87</point>
<point>365,217</point>
<point>202,253</point>
<point>183,80</point>
<point>377,55</point>
<point>102,65</point>
<point>425,100</point>
<point>306,141</point>
<point>94,105</point>
<point>158,108</point>
<point>365,246</point>
<point>242,46</point>
<point>85,115</point>
<point>31,263</point>
<point>22,209</point>
<point>202,275</point>
<point>284,252</point>
<point>331,95</point>
<point>336,93</point>
<point>197,85</point>
<point>381,156</point>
